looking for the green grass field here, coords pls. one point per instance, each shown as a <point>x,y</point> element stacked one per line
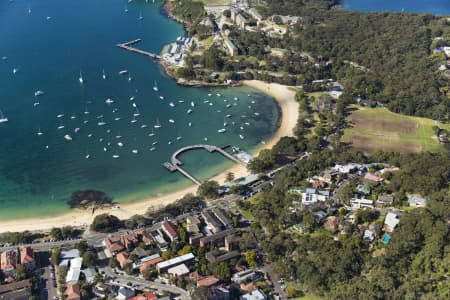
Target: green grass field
<point>374,129</point>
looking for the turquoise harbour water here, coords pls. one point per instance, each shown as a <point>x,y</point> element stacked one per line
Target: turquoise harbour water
<point>438,7</point>
<point>39,173</point>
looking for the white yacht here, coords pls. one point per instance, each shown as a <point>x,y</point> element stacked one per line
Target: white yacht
<point>132,98</point>
<point>172,121</point>
<point>76,130</point>
<point>161,97</point>
<point>171,104</point>
<point>123,72</point>
<point>241,137</point>
<point>80,79</point>
<point>3,119</point>
<point>152,149</point>
<point>39,133</point>
<point>136,113</point>
<point>157,125</point>
<point>109,101</point>
<point>103,74</point>
<point>120,144</point>
<point>38,93</point>
<point>87,156</point>
<point>68,137</point>
<point>135,151</point>
<point>151,133</point>
<point>189,111</point>
<point>189,124</point>
<point>144,126</point>
<point>15,70</point>
<point>133,120</point>
<point>155,87</point>
<point>140,16</point>
<point>101,123</point>
<point>192,104</point>
<point>221,130</point>
<point>115,156</point>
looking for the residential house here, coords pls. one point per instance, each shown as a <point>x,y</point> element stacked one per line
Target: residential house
<point>332,223</point>
<point>27,258</point>
<point>385,199</point>
<point>183,259</point>
<point>363,189</point>
<point>319,216</point>
<point>311,196</point>
<point>369,235</point>
<point>254,295</point>
<point>278,52</point>
<point>8,262</point>
<point>123,259</point>
<point>72,292</point>
<point>207,281</point>
<point>147,262</point>
<point>125,293</point>
<point>390,222</point>
<point>170,230</point>
<point>144,296</point>
<point>356,203</point>
<point>417,201</point>
<point>372,178</point>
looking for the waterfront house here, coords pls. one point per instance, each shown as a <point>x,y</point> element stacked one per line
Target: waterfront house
<point>170,230</point>
<point>27,258</point>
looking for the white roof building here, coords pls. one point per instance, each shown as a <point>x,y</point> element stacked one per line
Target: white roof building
<point>74,272</point>
<point>254,295</point>
<point>179,270</point>
<point>125,293</point>
<point>164,265</point>
<point>390,222</point>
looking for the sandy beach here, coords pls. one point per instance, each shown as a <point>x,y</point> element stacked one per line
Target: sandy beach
<point>285,97</point>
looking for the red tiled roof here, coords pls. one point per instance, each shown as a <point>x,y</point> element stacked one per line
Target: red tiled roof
<point>144,296</point>
<point>207,281</point>
<point>150,263</point>
<point>123,259</point>
<point>372,177</point>
<point>170,228</point>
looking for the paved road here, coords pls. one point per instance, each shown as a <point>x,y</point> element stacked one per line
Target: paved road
<point>139,283</point>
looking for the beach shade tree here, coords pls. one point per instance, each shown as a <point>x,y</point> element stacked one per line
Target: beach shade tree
<point>105,223</point>
<point>209,189</point>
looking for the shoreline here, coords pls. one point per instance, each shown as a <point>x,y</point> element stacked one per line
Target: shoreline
<point>285,99</point>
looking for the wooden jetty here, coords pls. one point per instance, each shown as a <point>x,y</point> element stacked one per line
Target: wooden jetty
<point>127,46</point>
<point>175,164</point>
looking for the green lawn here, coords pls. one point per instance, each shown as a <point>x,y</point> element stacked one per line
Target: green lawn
<point>374,129</point>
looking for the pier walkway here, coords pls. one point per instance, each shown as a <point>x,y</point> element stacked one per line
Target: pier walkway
<point>175,164</point>
<point>127,46</point>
